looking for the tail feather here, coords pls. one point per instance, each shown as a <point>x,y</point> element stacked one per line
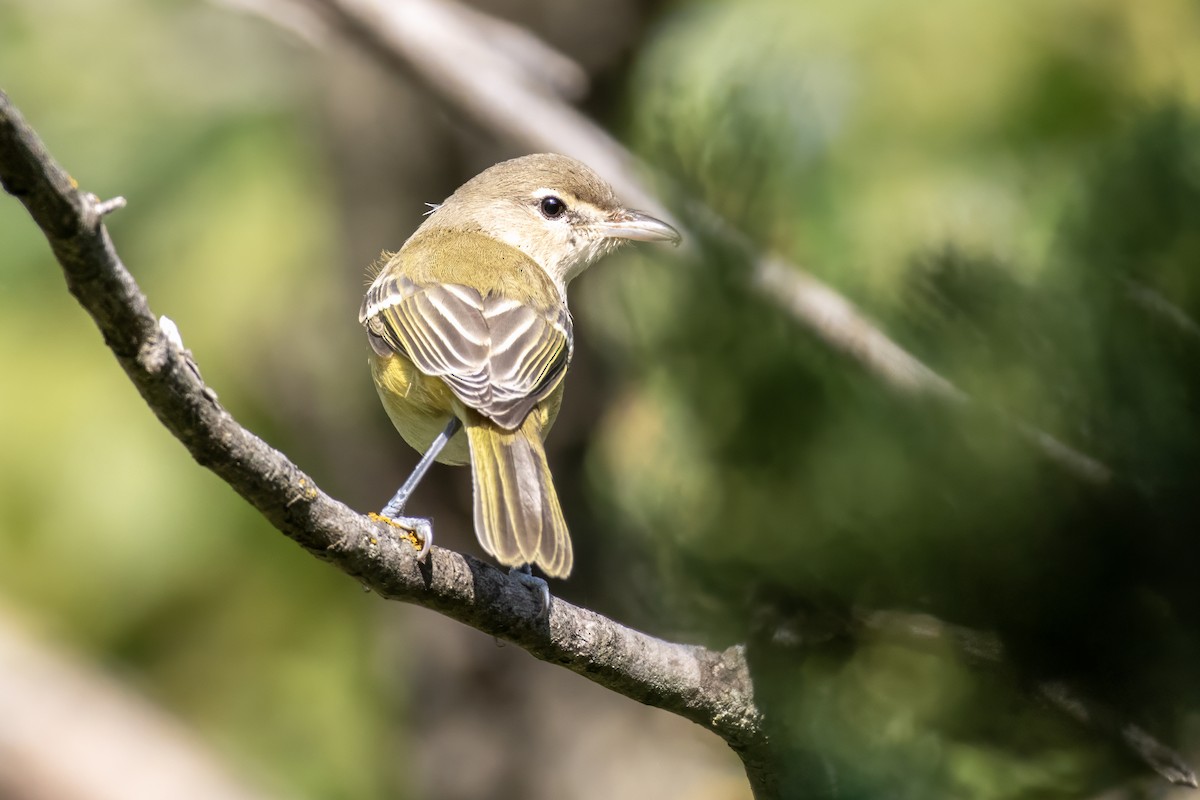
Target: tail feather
<point>517,515</point>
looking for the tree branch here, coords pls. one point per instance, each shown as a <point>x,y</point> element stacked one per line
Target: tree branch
<point>710,688</point>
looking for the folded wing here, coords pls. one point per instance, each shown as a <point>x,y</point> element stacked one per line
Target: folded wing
<point>498,355</point>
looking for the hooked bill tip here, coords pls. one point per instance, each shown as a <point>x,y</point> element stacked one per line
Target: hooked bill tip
<point>640,227</point>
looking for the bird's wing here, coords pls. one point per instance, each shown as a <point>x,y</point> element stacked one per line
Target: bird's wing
<point>498,355</point>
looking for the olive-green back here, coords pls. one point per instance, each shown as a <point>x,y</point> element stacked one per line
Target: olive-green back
<point>470,258</point>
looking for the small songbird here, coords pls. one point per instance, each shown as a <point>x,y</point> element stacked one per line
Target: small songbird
<point>471,336</point>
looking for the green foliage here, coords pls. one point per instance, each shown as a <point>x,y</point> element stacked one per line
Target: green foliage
<point>1012,191</point>
<point>109,534</point>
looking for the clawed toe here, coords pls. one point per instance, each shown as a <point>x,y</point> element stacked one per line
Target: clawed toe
<point>525,575</point>
<point>419,528</point>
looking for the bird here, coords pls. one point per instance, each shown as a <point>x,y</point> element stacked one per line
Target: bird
<point>470,338</point>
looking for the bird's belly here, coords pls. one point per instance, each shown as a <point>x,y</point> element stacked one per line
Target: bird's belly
<point>419,406</point>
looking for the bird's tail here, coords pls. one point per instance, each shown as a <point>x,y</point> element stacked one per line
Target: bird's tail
<point>517,516</point>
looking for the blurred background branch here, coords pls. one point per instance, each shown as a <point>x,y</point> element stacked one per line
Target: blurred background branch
<point>514,87</point>
<point>986,650</point>
<point>57,742</point>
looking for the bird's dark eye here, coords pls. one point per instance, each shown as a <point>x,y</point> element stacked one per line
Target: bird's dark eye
<point>552,207</point>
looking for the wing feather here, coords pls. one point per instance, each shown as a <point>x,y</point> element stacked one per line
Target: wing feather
<point>498,355</point>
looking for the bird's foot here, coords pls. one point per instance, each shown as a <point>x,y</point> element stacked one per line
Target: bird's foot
<point>525,575</point>
<point>418,530</point>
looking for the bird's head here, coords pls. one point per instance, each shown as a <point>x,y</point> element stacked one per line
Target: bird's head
<point>554,209</point>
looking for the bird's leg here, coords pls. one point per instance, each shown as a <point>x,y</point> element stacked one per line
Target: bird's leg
<point>524,574</point>
<point>396,505</point>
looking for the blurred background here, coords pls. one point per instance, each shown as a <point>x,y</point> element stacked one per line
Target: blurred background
<point>1011,191</point>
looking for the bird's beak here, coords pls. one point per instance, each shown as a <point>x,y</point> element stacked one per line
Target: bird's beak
<point>635,225</point>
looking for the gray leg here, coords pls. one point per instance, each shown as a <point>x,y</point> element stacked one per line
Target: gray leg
<point>396,505</point>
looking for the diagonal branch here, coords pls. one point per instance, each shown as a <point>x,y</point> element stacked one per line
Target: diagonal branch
<point>710,688</point>
<point>713,689</point>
